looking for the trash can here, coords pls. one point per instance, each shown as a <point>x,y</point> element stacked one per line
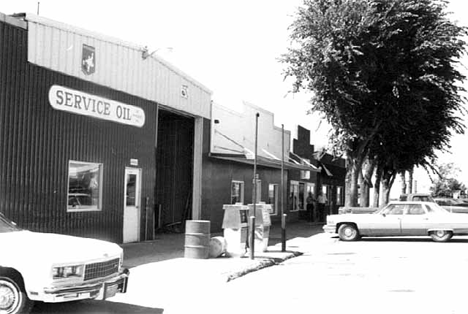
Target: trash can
<point>217,247</point>
<point>197,239</point>
<point>235,229</point>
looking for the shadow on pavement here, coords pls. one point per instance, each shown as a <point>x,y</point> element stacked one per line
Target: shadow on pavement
<point>92,307</point>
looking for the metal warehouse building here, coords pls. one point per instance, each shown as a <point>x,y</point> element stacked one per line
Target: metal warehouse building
<point>98,137</point>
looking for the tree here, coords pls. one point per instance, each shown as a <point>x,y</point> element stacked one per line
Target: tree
<point>380,70</point>
<point>445,184</point>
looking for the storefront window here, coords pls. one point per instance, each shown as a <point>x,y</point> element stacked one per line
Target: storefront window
<point>339,195</point>
<point>294,196</point>
<point>302,196</point>
<point>311,189</point>
<point>326,189</point>
<point>84,186</point>
<point>273,193</point>
<point>237,192</point>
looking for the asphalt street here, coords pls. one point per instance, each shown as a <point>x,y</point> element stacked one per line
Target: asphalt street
<point>375,275</point>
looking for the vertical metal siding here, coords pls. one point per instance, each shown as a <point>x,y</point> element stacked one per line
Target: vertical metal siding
<point>119,65</point>
<point>37,143</point>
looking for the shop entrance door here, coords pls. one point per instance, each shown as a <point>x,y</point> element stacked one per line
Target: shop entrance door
<point>132,200</point>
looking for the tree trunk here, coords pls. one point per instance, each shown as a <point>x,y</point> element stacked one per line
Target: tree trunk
<point>387,182</point>
<point>377,190</point>
<point>410,181</point>
<point>353,167</point>
<point>403,182</point>
<point>366,181</point>
<point>363,190</point>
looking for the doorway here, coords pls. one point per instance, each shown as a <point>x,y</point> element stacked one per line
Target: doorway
<point>132,206</point>
<point>174,171</point>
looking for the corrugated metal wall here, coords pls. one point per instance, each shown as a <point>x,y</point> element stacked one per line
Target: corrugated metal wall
<point>37,143</point>
<point>59,47</point>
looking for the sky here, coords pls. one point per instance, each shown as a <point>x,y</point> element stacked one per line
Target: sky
<point>231,47</point>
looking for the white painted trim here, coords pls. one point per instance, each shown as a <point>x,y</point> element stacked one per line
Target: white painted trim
<point>197,169</point>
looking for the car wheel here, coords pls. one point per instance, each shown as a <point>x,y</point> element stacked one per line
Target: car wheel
<point>13,298</point>
<point>441,235</point>
<point>348,232</point>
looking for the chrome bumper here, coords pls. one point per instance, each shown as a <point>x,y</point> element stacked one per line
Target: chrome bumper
<point>329,228</point>
<point>97,290</point>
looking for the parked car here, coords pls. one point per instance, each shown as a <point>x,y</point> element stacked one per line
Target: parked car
<point>54,268</point>
<point>417,197</point>
<point>400,219</point>
<point>453,205</point>
<point>79,200</point>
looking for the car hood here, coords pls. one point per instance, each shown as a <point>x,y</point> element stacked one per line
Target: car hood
<point>57,248</point>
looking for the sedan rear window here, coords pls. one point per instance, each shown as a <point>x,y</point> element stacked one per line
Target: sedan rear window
<point>415,209</point>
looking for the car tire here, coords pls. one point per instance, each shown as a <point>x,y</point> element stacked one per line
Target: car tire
<point>13,298</point>
<point>441,235</point>
<point>348,232</point>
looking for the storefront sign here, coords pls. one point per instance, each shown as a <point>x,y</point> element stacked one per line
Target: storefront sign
<point>66,99</point>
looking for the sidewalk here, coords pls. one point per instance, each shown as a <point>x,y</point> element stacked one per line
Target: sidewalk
<point>167,252</point>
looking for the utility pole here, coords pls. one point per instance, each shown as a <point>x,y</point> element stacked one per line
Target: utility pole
<point>252,218</point>
<point>283,215</point>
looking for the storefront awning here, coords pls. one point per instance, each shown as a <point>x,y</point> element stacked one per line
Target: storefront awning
<point>263,161</point>
<point>327,171</point>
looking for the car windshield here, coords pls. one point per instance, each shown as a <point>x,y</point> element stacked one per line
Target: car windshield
<point>7,225</point>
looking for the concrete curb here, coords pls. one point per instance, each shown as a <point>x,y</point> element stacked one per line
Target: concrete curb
<point>260,264</point>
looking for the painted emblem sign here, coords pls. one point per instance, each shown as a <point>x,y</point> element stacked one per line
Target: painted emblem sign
<point>66,99</point>
<point>184,91</point>
<point>88,59</point>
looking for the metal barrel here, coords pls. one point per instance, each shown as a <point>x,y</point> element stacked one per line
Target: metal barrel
<point>197,239</point>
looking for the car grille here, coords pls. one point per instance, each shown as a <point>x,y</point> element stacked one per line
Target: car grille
<point>102,269</point>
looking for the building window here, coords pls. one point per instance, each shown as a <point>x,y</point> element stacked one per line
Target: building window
<point>84,186</point>
<point>237,192</point>
<point>326,189</point>
<point>339,195</point>
<point>294,196</point>
<point>273,196</point>
<point>310,190</point>
<point>302,196</point>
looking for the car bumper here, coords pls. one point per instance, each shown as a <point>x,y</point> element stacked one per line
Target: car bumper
<point>329,228</point>
<point>98,290</point>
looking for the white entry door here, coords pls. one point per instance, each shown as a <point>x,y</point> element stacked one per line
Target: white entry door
<point>132,200</point>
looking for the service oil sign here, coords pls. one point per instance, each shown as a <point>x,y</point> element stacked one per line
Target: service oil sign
<point>66,99</point>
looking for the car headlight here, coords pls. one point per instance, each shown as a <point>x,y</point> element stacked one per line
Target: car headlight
<point>61,272</point>
<point>121,261</point>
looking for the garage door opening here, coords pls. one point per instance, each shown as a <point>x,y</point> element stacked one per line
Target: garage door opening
<point>174,171</point>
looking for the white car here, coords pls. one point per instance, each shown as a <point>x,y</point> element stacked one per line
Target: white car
<point>55,268</point>
<point>402,218</point>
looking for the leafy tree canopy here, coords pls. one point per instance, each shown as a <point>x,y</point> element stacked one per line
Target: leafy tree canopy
<point>446,182</point>
<point>383,73</point>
